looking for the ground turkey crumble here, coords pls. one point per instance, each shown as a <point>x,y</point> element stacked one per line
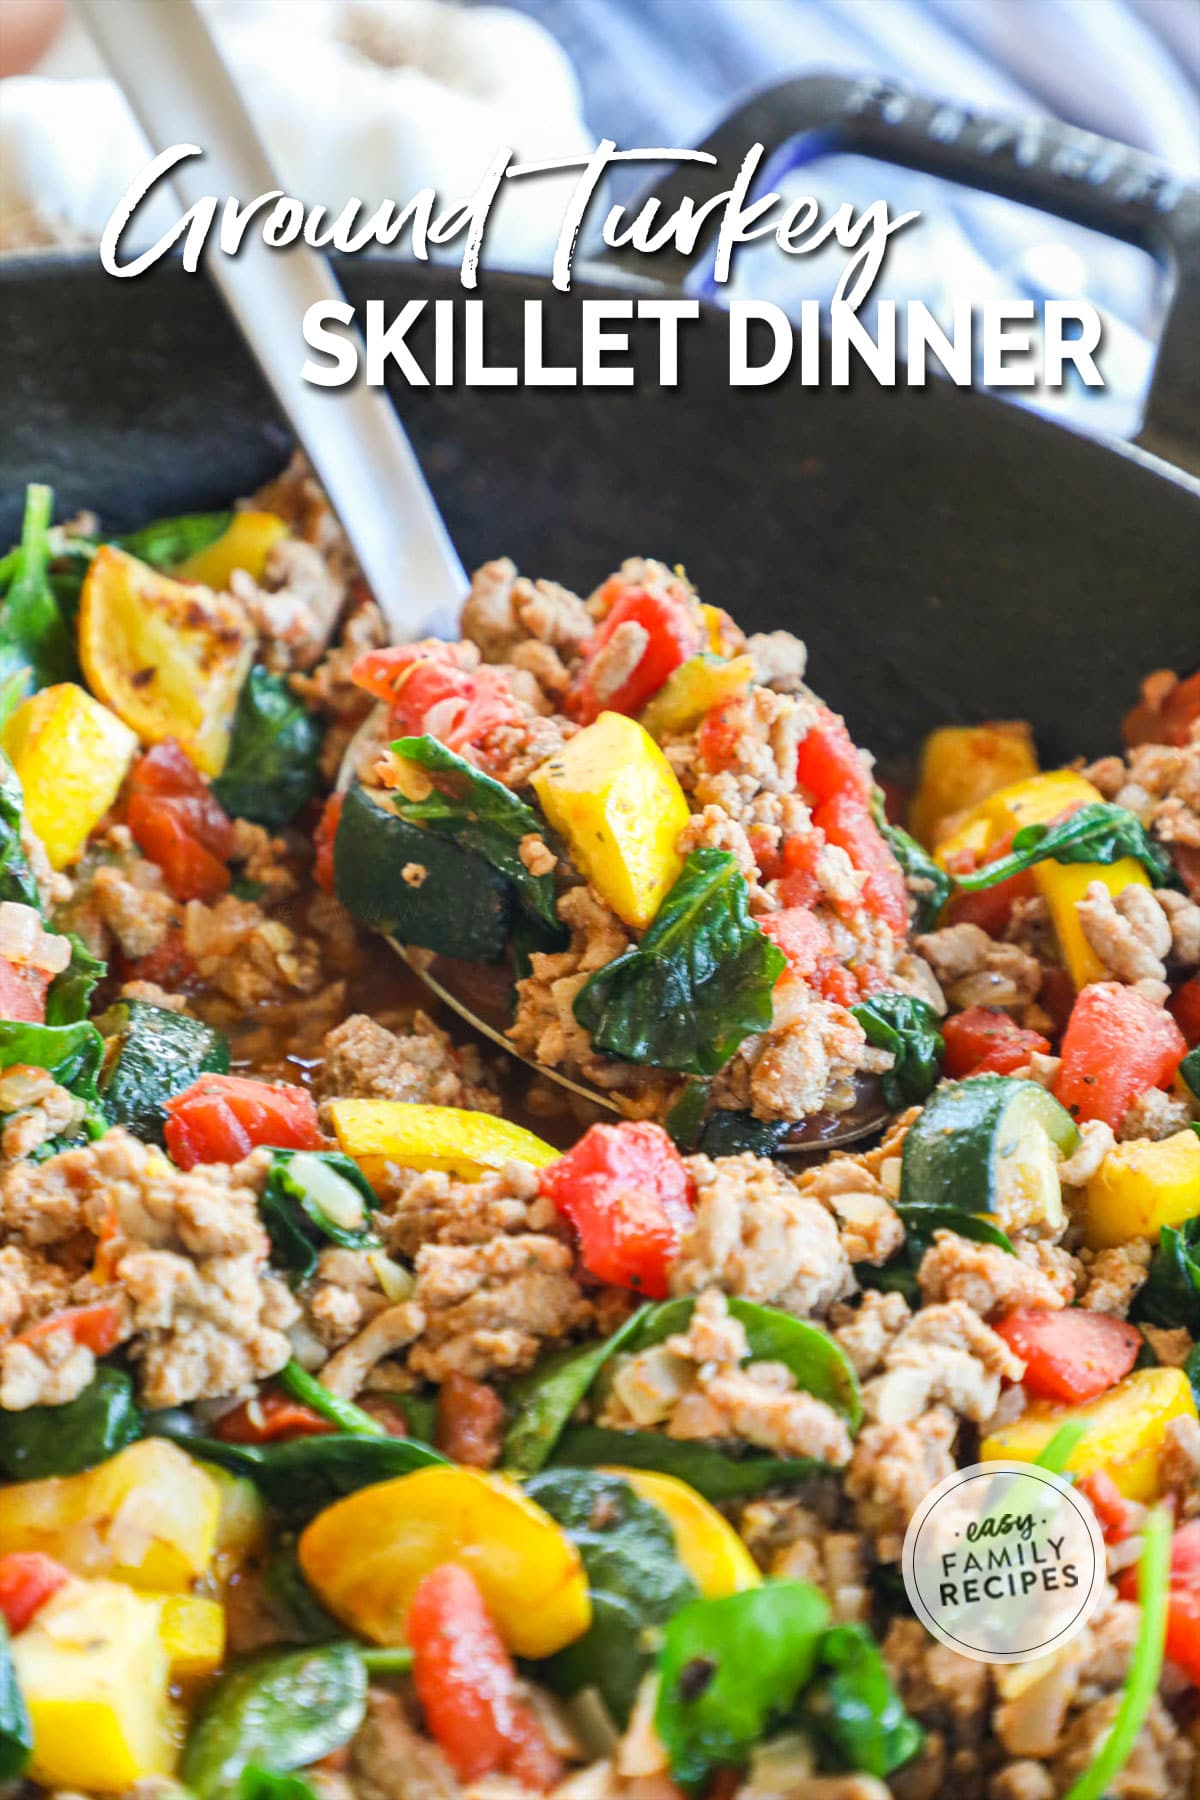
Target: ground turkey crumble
<point>363,1060</point>
<point>182,1257</point>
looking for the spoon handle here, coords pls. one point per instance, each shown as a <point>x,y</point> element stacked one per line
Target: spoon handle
<point>163,57</point>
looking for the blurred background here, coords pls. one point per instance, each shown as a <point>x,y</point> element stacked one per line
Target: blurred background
<point>378,98</point>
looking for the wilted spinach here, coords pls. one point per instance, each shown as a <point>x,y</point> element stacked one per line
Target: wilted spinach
<point>482,815</point>
<point>257,1783</point>
<point>541,1402</point>
<point>729,1669</point>
<point>309,1198</point>
<point>719,1475</point>
<point>16,877</point>
<point>300,1477</point>
<point>278,1711</point>
<point>929,885</point>
<point>16,1731</point>
<point>1097,833</point>
<point>634,1573</point>
<point>168,542</point>
<point>1189,1068</point>
<point>343,1413</point>
<point>1171,1294</point>
<point>699,982</point>
<point>64,1440</point>
<point>908,1027</point>
<point>35,643</point>
<point>72,1054</point>
<point>293,1604</point>
<point>853,1711</point>
<point>270,772</point>
<point>69,995</point>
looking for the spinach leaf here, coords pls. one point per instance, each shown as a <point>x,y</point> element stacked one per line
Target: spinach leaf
<point>634,1573</point>
<point>719,1475</point>
<point>817,1361</point>
<point>1097,833</point>
<point>1171,1294</point>
<point>541,1402</point>
<point>908,1027</point>
<point>1191,1369</point>
<point>69,995</point>
<point>700,981</point>
<point>852,1709</point>
<point>72,1054</point>
<point>684,1120</point>
<point>160,1053</point>
<point>167,542</point>
<point>929,886</point>
<point>313,1198</point>
<point>256,1783</point>
<point>271,770</point>
<point>1189,1068</point>
<point>64,1440</point>
<point>280,1711</point>
<point>16,876</point>
<point>484,816</point>
<point>16,1730</point>
<point>34,639</point>
<point>729,1668</point>
<point>292,1602</point>
<point>298,1478</point>
<point>920,1221</point>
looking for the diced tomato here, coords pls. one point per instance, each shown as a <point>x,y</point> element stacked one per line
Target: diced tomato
<point>846,821</point>
<point>1183,1606</point>
<point>1108,1503</point>
<point>177,821</point>
<point>23,992</point>
<point>189,870</point>
<point>1071,1355</point>
<point>428,691</point>
<point>27,1580</point>
<point>716,740</point>
<point>627,1192</point>
<point>1187,863</point>
<point>1117,1045</point>
<point>269,1418</point>
<point>467,1685</point>
<point>981,1041</point>
<point>97,1328</point>
<point>323,839</point>
<point>798,884</point>
<point>170,965</point>
<point>828,762</point>
<point>1166,713</point>
<point>167,774</point>
<point>221,1118</point>
<point>800,934</point>
<point>470,1421</point>
<point>673,633</point>
<point>990,908</point>
<point>1184,1007</point>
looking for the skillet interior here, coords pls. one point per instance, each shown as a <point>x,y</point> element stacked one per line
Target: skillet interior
<point>944,555</point>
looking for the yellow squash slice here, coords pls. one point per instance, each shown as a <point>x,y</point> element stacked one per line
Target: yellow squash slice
<point>168,658</point>
<point>71,754</point>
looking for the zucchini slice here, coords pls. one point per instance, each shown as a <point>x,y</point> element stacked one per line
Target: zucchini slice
<point>158,1053</point>
<point>991,1144</point>
<point>460,907</point>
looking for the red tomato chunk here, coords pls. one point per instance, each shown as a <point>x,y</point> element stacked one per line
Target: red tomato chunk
<point>27,1580</point>
<point>672,635</point>
<point>221,1118</point>
<point>981,1041</point>
<point>629,1196</point>
<point>467,1685</point>
<point>1116,1046</point>
<point>1074,1355</point>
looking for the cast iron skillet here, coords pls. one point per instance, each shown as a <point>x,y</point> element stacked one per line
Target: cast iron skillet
<point>946,557</point>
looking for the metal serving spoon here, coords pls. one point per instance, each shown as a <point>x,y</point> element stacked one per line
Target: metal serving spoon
<point>171,72</point>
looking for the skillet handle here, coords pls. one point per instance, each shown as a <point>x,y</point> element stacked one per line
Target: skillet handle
<point>1071,173</point>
